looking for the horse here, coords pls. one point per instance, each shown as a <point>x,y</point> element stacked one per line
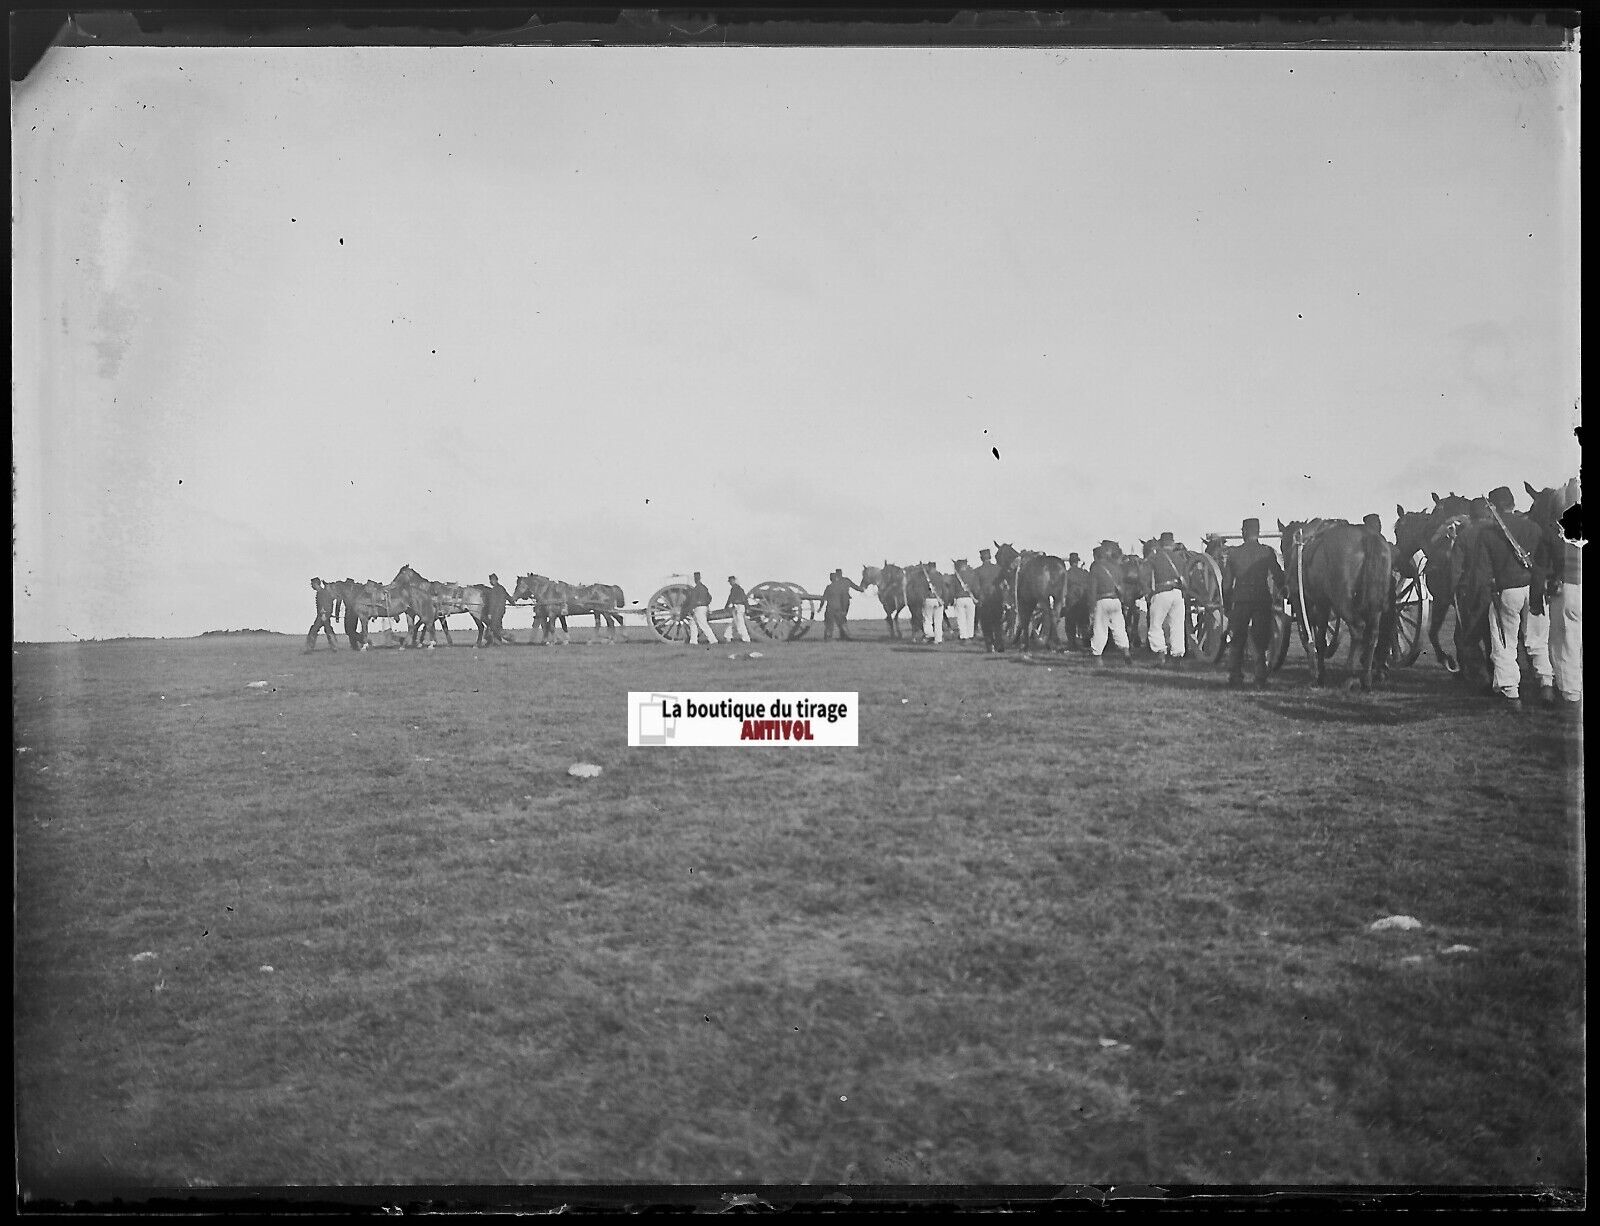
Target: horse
<point>890,580</point>
<point>1039,583</point>
<point>1338,569</point>
<point>1550,506</point>
<point>448,599</point>
<point>922,581</point>
<point>554,601</point>
<point>411,594</point>
<point>1432,533</point>
<point>362,602</point>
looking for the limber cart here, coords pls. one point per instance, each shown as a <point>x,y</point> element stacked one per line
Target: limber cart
<point>1412,606</point>
<point>777,609</point>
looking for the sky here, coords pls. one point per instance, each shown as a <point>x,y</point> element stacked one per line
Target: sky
<point>615,314</point>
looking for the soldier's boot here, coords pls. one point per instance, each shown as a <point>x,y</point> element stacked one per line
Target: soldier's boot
<point>1127,658</point>
<point>1547,694</point>
<point>1099,661</point>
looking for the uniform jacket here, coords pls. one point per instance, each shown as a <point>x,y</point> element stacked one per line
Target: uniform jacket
<point>1103,581</point>
<point>1251,574</point>
<point>736,596</point>
<point>1164,574</point>
<point>700,596</point>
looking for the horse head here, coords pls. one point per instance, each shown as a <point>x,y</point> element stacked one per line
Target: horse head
<point>1412,532</point>
<point>870,575</point>
<point>1005,556</point>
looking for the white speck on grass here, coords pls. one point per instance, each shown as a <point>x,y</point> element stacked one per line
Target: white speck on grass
<point>1404,922</point>
<point>255,685</point>
<point>266,970</point>
<point>1108,1042</point>
<point>583,770</point>
<point>141,957</point>
<point>1458,949</point>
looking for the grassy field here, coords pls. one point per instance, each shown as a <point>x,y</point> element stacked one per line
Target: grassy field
<point>1045,925</point>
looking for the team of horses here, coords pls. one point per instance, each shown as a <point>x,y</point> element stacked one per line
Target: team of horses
<point>427,605</point>
<point>1340,578</point>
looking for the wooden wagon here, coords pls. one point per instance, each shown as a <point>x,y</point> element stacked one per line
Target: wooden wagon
<point>777,609</point>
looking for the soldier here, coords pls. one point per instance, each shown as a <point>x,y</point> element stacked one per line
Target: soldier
<point>1168,624</point>
<point>700,613</point>
<point>1372,523</point>
<point>1510,550</point>
<point>1077,611</point>
<point>494,609</point>
<point>965,600</point>
<point>1105,597</point>
<point>326,597</point>
<point>738,602</point>
<point>1252,586</point>
<point>836,605</point>
<point>1566,618</point>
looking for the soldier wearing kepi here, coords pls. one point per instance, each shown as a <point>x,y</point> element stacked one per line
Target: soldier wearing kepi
<point>737,601</point>
<point>326,595</point>
<point>494,609</point>
<point>1252,586</point>
<point>1168,624</point>
<point>1510,549</point>
<point>1105,602</point>
<point>836,605</point>
<point>700,613</point>
<point>1372,523</point>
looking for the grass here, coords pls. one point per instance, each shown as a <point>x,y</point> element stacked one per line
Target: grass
<point>1046,925</point>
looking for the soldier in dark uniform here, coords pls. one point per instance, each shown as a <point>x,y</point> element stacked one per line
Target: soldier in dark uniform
<point>494,609</point>
<point>1252,586</point>
<point>836,605</point>
<point>326,597</point>
<point>1373,523</point>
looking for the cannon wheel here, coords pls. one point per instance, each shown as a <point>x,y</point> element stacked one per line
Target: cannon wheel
<point>667,613</point>
<point>808,607</point>
<point>1411,612</point>
<point>1208,623</point>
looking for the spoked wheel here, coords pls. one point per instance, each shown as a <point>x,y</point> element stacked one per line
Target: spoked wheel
<point>1278,647</point>
<point>775,611</point>
<point>1412,608</point>
<point>1208,623</point>
<point>806,609</point>
<point>667,613</point>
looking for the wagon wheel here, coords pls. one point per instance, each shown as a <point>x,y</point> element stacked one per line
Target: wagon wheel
<point>1278,645</point>
<point>808,607</point>
<point>1411,612</point>
<point>776,612</point>
<point>1208,622</point>
<point>667,613</point>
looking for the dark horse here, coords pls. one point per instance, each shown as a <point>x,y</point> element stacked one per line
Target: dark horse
<point>1038,584</point>
<point>1337,569</point>
<point>1432,533</point>
<point>890,581</point>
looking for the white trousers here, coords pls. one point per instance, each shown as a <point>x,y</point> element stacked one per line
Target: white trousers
<point>933,619</point>
<point>1536,642</point>
<point>1566,640</point>
<point>1168,626</point>
<point>1107,618</point>
<point>700,622</point>
<point>966,617</point>
<point>1505,626</point>
<point>739,629</point>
